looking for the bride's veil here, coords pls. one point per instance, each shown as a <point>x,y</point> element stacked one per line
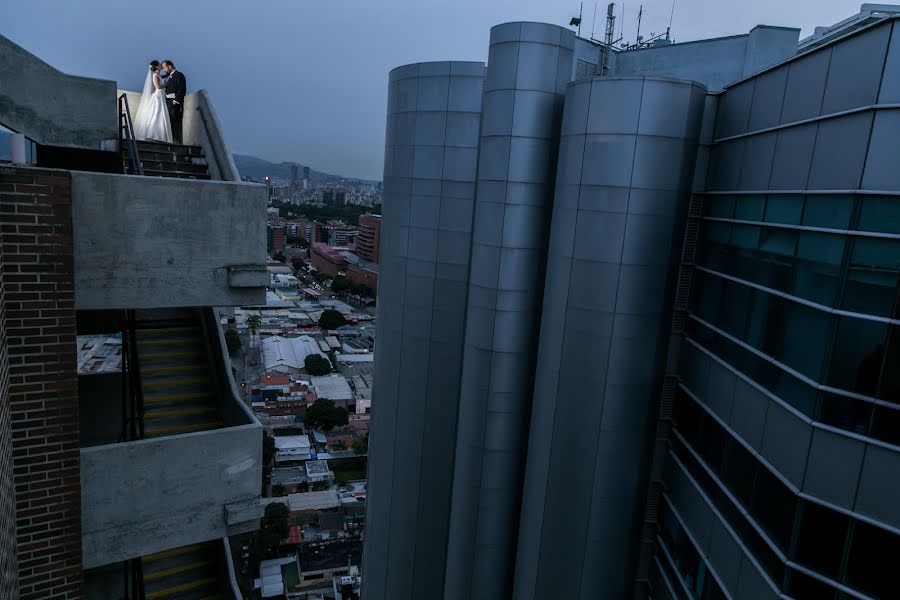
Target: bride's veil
<point>142,114</point>
<point>148,86</point>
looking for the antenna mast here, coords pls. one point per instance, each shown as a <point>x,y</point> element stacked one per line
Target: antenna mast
<point>610,34</point>
<point>640,14</point>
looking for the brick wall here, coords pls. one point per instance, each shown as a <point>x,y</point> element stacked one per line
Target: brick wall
<point>38,290</point>
<point>9,587</point>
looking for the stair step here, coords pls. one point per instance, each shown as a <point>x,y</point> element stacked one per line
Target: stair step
<point>177,174</point>
<point>170,382</point>
<point>180,412</point>
<point>178,397</point>
<point>184,587</point>
<point>167,147</point>
<point>173,552</point>
<point>149,330</point>
<point>199,368</point>
<point>176,429</point>
<point>169,342</point>
<point>168,355</point>
<point>177,570</point>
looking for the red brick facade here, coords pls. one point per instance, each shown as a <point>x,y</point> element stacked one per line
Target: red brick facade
<point>36,253</point>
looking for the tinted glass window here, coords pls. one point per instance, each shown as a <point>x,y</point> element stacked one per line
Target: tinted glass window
<point>858,355</point>
<point>784,209</point>
<point>804,587</point>
<point>773,507</point>
<point>750,208</point>
<point>880,213</point>
<point>823,535</point>
<point>874,271</point>
<point>872,567</point>
<point>832,212</point>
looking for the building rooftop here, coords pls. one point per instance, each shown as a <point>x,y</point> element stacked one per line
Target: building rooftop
<point>99,354</point>
<point>282,353</point>
<point>333,386</point>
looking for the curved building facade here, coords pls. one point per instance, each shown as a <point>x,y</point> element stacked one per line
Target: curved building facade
<point>431,153</point>
<point>529,65</point>
<point>622,189</point>
<point>781,479</point>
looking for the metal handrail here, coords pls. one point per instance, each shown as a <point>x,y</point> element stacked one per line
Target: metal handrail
<point>127,138</point>
<point>137,391</point>
<point>212,146</point>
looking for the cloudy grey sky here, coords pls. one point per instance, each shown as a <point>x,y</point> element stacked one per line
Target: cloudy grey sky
<point>306,80</point>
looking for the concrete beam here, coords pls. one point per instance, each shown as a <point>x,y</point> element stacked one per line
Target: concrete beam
<point>154,242</point>
<point>51,107</point>
<point>147,496</point>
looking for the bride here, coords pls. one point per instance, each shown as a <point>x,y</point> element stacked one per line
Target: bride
<point>152,119</point>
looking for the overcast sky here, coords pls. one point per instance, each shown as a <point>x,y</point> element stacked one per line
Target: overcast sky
<point>306,80</point>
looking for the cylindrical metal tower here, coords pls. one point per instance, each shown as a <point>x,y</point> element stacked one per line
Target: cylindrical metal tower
<point>623,183</point>
<point>529,65</point>
<point>431,150</point>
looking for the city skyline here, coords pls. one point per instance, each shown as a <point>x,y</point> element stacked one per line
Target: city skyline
<point>336,123</point>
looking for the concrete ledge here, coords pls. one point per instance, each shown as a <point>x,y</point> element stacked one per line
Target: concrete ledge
<point>51,107</point>
<point>154,242</point>
<point>152,495</point>
<point>242,276</point>
<point>241,512</point>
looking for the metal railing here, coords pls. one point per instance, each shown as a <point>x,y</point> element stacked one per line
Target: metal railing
<point>132,385</point>
<point>133,580</point>
<point>128,150</point>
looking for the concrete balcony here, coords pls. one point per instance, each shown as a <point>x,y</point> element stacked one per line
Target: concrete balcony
<point>172,490</point>
<point>152,242</point>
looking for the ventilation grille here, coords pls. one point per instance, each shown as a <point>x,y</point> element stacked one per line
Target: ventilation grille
<point>584,69</point>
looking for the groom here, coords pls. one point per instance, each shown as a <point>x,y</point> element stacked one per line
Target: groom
<point>176,86</point>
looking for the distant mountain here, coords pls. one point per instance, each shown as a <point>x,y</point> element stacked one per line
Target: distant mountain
<point>258,168</point>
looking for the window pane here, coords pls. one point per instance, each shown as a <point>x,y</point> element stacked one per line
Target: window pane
<point>858,355</point>
<point>804,587</point>
<point>719,206</point>
<point>750,208</point>
<point>781,242</point>
<point>873,561</point>
<point>739,472</point>
<point>873,276</point>
<point>820,545</point>
<point>880,213</point>
<point>832,212</point>
<point>784,209</point>
<point>846,413</point>
<point>889,388</point>
<point>886,425</point>
<point>773,507</point>
<point>818,268</point>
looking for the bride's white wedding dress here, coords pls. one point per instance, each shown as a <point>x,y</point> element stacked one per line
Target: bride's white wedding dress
<point>151,122</point>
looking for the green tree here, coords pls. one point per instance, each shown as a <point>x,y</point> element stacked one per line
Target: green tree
<point>341,285</point>
<point>361,446</point>
<point>232,341</point>
<point>254,322</point>
<point>361,290</point>
<point>331,319</point>
<point>316,364</point>
<point>273,528</point>
<point>324,415</point>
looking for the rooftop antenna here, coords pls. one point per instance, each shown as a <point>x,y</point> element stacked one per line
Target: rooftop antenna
<point>610,33</point>
<point>594,22</point>
<point>640,14</point>
<point>671,16</point>
<point>622,24</point>
<point>576,21</point>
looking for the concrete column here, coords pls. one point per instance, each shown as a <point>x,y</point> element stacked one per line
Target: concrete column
<point>529,65</point>
<point>625,166</point>
<point>434,112</point>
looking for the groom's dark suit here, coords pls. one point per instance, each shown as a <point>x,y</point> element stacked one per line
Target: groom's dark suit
<point>177,85</point>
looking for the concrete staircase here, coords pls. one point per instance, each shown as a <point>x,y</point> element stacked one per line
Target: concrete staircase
<point>173,160</point>
<point>187,573</point>
<point>179,393</point>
